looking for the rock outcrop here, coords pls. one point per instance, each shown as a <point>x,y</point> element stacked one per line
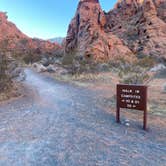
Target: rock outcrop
<point>141,24</point>
<point>87,38</point>
<point>133,28</point>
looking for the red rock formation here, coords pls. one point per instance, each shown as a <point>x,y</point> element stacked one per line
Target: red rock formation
<point>87,38</point>
<point>133,27</point>
<point>141,24</point>
<point>13,39</point>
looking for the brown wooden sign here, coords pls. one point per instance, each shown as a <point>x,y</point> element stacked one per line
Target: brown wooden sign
<point>132,97</point>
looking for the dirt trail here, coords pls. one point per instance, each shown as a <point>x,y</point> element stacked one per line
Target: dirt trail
<point>65,125</point>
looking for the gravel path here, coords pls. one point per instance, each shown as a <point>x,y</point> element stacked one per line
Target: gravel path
<point>62,125</point>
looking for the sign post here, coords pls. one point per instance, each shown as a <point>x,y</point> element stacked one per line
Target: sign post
<point>132,97</point>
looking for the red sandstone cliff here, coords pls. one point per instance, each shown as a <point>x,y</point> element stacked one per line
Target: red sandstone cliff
<point>87,37</point>
<point>133,28</point>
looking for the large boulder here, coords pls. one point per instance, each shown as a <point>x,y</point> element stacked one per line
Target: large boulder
<point>39,67</point>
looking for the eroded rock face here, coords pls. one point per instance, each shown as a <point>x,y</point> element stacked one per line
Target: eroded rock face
<point>141,24</point>
<point>87,38</point>
<point>133,28</point>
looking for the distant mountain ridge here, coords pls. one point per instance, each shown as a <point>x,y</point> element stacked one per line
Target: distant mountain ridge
<point>58,40</point>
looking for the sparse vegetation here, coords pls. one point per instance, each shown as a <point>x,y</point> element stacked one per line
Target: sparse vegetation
<point>78,63</point>
<point>68,59</point>
<point>129,73</point>
<point>4,75</point>
<point>9,69</point>
<point>135,78</point>
<point>5,80</point>
<point>31,56</point>
<point>133,73</point>
<point>146,62</point>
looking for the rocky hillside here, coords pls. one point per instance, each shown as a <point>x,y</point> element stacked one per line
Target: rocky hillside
<point>15,45</point>
<point>12,38</point>
<point>133,28</point>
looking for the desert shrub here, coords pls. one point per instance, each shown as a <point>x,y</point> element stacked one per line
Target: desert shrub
<point>16,54</point>
<point>135,78</point>
<point>4,75</point>
<point>79,64</point>
<point>68,59</point>
<point>27,59</point>
<point>118,62</point>
<point>103,67</point>
<point>132,73</point>
<point>31,57</point>
<point>58,53</point>
<point>5,80</point>
<point>146,62</point>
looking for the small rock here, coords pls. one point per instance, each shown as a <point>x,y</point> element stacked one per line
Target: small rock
<point>39,67</point>
<point>127,120</point>
<point>127,124</point>
<point>51,69</point>
<point>159,67</point>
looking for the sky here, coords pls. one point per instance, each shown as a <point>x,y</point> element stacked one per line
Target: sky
<point>44,19</point>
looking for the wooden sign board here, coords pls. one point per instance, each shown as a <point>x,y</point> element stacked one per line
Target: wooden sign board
<point>132,97</point>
